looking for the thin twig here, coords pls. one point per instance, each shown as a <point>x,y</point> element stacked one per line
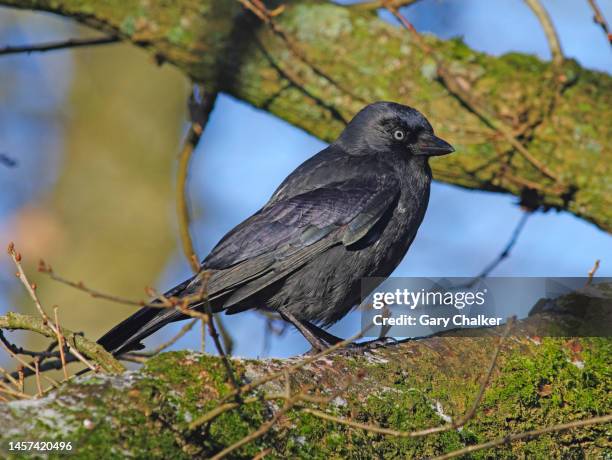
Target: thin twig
<point>453,425</point>
<point>378,4</point>
<point>27,365</point>
<point>31,289</point>
<point>509,245</point>
<point>147,354</point>
<point>248,387</point>
<point>261,455</point>
<point>549,30</point>
<point>10,379</point>
<point>263,429</point>
<point>201,104</point>
<point>215,336</point>
<point>43,267</point>
<point>203,334</point>
<point>22,351</point>
<point>526,435</point>
<point>258,8</point>
<point>21,377</point>
<point>183,304</point>
<point>161,301</point>
<point>599,18</point>
<point>228,341</point>
<point>15,393</point>
<point>38,384</point>
<point>61,342</point>
<point>288,72</point>
<point>59,45</point>
<point>290,401</point>
<point>592,272</point>
<point>467,99</point>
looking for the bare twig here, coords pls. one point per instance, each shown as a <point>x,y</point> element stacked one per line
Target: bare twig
<point>203,335</point>
<point>377,4</point>
<point>509,245</point>
<point>12,392</point>
<point>261,455</point>
<point>95,352</point>
<point>467,99</point>
<point>183,304</point>
<point>21,378</point>
<point>598,18</point>
<point>31,289</point>
<point>37,370</point>
<point>22,351</point>
<point>288,72</point>
<point>24,363</point>
<point>227,339</point>
<point>263,429</point>
<point>59,45</point>
<point>592,272</point>
<point>290,401</point>
<point>248,387</point>
<point>549,30</point>
<point>179,303</point>
<point>526,435</point>
<point>210,322</point>
<point>61,342</point>
<point>147,354</point>
<point>43,267</point>
<point>7,161</point>
<point>432,430</point>
<point>10,379</point>
<point>258,8</point>
<point>201,104</point>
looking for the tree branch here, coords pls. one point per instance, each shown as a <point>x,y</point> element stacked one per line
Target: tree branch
<point>219,46</point>
<point>383,391</point>
<point>91,350</point>
<point>60,45</point>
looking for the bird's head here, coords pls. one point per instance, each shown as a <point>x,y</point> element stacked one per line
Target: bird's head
<point>387,126</point>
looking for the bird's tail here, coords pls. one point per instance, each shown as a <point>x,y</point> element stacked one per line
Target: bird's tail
<point>127,335</point>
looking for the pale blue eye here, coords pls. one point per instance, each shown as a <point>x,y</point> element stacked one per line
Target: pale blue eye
<point>398,135</point>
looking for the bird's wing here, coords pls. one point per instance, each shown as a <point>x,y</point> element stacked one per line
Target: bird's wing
<point>269,245</point>
<point>288,233</point>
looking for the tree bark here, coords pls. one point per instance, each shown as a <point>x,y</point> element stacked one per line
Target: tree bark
<point>347,57</point>
<point>412,385</point>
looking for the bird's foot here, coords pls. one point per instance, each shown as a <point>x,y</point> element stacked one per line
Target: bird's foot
<point>379,343</point>
<point>360,347</point>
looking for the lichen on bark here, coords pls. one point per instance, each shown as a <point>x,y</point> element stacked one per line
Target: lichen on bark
<point>367,59</point>
<point>415,384</point>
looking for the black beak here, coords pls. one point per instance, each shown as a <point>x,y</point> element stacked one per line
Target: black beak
<point>431,145</point>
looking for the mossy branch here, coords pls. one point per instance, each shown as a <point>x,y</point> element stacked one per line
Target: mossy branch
<point>537,383</point>
<point>301,74</point>
<point>91,350</point>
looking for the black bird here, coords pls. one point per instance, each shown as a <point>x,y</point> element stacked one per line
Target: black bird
<point>350,211</point>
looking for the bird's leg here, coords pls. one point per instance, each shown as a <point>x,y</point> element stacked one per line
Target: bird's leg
<point>308,335</point>
<point>322,334</point>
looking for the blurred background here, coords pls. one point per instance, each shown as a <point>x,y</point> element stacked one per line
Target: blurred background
<point>89,141</point>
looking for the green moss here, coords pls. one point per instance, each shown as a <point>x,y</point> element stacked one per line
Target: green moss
<point>368,59</point>
<point>147,414</point>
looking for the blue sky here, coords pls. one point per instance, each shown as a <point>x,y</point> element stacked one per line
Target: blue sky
<point>251,152</point>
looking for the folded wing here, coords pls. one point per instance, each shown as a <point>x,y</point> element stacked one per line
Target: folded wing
<point>288,233</point>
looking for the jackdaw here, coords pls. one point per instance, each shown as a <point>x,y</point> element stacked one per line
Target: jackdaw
<point>350,211</point>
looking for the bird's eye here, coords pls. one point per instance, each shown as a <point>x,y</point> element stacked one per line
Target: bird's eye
<point>398,135</point>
